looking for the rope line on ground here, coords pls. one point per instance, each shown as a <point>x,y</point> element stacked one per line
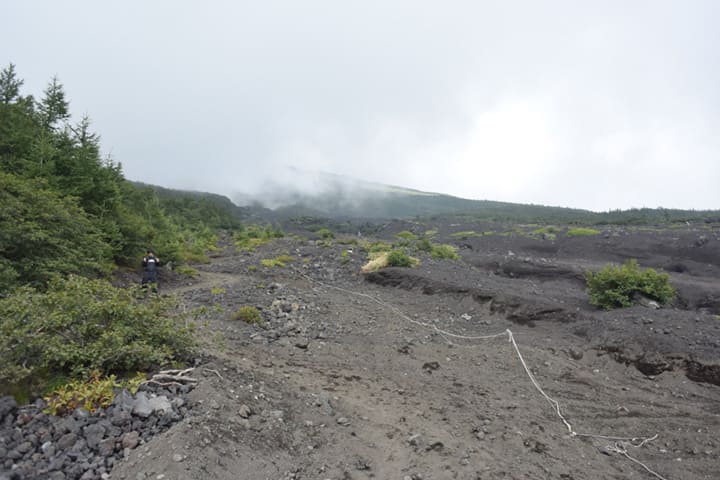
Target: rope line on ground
<point>621,443</point>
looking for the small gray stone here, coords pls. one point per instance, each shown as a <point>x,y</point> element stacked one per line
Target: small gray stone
<point>160,405</point>
<point>68,425</point>
<point>7,405</point>
<point>124,401</point>
<point>575,353</point>
<point>88,475</point>
<point>66,441</point>
<point>24,447</point>
<point>106,447</point>
<point>130,440</point>
<point>414,440</point>
<point>14,455</point>
<point>81,414</point>
<point>178,458</point>
<point>141,406</point>
<point>48,448</point>
<point>93,434</point>
<point>244,411</point>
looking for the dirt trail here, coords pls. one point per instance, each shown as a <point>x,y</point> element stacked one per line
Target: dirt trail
<point>345,384</point>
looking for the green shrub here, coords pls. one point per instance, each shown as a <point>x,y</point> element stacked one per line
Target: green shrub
<point>448,252</point>
<point>187,271</point>
<point>252,236</point>
<point>575,232</point>
<point>249,315</point>
<point>464,235</point>
<point>545,231</point>
<point>614,286</point>
<point>279,261</point>
<point>398,258</point>
<point>326,234</point>
<point>377,247</point>
<point>424,245</point>
<point>345,257</point>
<point>406,235</point>
<point>43,234</point>
<point>79,325</point>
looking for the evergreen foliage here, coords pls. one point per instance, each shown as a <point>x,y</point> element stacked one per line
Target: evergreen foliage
<point>616,286</point>
<point>398,258</point>
<point>78,325</point>
<point>44,234</point>
<point>65,209</point>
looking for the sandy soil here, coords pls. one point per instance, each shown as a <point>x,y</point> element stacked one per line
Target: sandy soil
<point>356,377</point>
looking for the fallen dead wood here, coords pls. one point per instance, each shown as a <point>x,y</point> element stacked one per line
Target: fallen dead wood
<point>172,377</point>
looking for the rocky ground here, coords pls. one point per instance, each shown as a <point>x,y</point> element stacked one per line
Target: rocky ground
<point>383,375</point>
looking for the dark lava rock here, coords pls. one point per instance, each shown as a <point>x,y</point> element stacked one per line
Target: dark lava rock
<point>8,405</point>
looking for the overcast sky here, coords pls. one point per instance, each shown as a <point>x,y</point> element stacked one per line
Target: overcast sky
<point>588,104</point>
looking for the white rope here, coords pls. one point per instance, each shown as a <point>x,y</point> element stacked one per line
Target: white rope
<point>619,447</point>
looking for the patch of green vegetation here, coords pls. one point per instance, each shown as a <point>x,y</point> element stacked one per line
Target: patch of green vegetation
<point>249,314</point>
<point>280,261</point>
<point>345,257</point>
<point>187,271</point>
<point>431,233</point>
<point>615,286</point>
<point>464,235</point>
<point>79,325</point>
<point>347,241</point>
<point>447,252</point>
<point>546,231</point>
<point>216,291</point>
<point>325,234</point>
<point>250,237</point>
<point>406,235</point>
<point>325,243</point>
<point>94,392</point>
<point>575,232</point>
<point>378,246</point>
<point>424,245</point>
<point>398,258</point>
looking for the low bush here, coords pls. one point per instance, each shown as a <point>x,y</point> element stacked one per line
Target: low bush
<point>252,236</point>
<point>464,235</point>
<point>405,239</point>
<point>424,245</point>
<point>279,261</point>
<point>616,286</point>
<point>186,271</point>
<point>80,325</point>
<point>398,258</point>
<point>448,252</point>
<point>249,315</point>
<point>91,393</point>
<point>326,234</point>
<point>378,247</point>
<point>577,232</point>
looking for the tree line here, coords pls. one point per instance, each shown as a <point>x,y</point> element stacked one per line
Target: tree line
<point>66,209</point>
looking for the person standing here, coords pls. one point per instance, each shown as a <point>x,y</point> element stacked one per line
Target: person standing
<point>150,264</point>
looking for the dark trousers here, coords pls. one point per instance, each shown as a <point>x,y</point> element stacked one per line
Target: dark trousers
<point>150,278</point>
